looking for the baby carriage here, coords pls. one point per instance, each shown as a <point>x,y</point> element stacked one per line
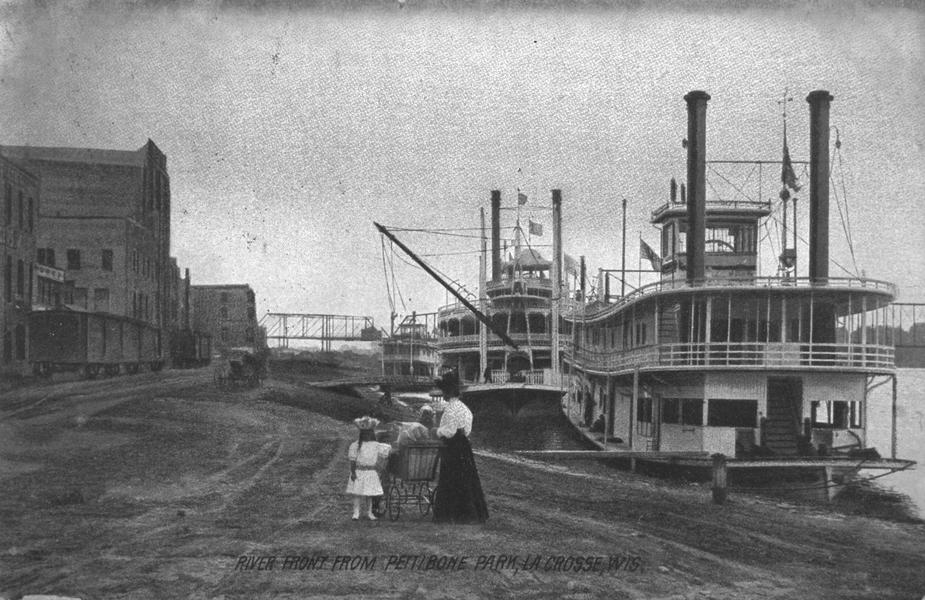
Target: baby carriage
<point>411,473</point>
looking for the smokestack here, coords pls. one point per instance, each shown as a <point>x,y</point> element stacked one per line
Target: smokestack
<point>584,279</point>
<point>673,194</point>
<point>496,235</point>
<point>819,185</point>
<point>696,183</point>
<point>557,237</point>
<point>556,277</point>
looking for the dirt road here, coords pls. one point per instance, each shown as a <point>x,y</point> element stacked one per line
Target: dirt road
<point>160,486</point>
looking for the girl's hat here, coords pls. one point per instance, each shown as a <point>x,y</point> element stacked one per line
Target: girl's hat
<point>366,423</point>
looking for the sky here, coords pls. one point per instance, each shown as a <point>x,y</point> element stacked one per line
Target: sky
<point>289,131</point>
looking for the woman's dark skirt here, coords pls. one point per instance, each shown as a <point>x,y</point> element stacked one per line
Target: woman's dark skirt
<point>459,497</point>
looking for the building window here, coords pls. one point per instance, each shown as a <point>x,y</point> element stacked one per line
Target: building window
<point>101,299</point>
<point>20,205</point>
<point>73,259</point>
<point>46,256</point>
<point>8,200</point>
<point>31,215</point>
<point>20,342</point>
<point>250,313</point>
<point>7,347</point>
<point>249,335</point>
<point>224,334</point>
<point>20,278</point>
<point>106,259</point>
<point>223,312</point>
<point>8,278</point>
<point>80,296</point>
<point>224,296</point>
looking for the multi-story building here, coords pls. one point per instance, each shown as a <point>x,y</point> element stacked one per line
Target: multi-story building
<point>227,312</point>
<point>105,221</point>
<point>18,220</point>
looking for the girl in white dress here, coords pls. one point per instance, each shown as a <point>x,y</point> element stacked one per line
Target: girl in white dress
<point>363,455</point>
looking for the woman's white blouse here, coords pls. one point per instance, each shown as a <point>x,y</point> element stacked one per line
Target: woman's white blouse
<point>456,416</point>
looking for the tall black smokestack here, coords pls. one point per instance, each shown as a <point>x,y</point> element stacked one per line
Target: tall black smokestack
<point>496,235</point>
<point>819,185</point>
<point>673,191</point>
<point>696,183</point>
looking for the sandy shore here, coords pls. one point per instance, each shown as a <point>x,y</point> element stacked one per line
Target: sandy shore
<point>161,486</point>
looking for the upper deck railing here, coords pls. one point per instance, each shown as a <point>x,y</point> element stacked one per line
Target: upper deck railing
<point>459,341</point>
<point>791,283</point>
<point>744,356</point>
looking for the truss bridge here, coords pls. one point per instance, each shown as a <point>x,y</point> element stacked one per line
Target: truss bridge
<point>284,327</point>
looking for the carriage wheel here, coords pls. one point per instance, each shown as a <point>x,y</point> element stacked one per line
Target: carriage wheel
<point>425,498</point>
<point>394,502</point>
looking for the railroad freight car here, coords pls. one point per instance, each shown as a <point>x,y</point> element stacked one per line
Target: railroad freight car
<point>92,343</point>
<point>190,348</point>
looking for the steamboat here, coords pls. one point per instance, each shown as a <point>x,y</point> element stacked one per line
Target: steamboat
<point>714,361</point>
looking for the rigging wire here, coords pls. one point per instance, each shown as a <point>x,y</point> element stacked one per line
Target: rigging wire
<point>385,272</point>
<point>394,279</point>
<point>845,222</point>
<point>831,260</point>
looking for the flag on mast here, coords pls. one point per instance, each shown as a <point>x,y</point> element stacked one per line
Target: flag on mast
<point>521,198</point>
<point>646,252</point>
<point>787,176</point>
<point>536,228</point>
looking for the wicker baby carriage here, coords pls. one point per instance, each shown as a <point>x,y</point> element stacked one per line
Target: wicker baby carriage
<point>411,473</point>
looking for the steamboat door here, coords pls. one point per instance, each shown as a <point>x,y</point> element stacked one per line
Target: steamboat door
<point>785,411</point>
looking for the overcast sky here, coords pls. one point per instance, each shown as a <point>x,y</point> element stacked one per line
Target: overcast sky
<point>288,132</point>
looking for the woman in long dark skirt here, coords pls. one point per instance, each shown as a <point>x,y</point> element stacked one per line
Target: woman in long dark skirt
<point>459,497</point>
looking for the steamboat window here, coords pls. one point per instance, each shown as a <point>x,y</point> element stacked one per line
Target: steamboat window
<point>732,413</point>
<point>837,414</point>
<point>732,239</point>
<point>644,417</point>
<point>682,411</point>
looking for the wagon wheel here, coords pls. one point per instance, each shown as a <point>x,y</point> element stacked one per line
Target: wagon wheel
<point>394,502</point>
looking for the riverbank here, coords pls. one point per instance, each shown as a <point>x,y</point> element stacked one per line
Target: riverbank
<point>176,489</point>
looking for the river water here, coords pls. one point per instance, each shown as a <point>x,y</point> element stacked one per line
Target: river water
<point>910,430</point>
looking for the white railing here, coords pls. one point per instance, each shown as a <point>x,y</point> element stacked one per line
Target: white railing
<point>741,355</point>
<point>457,341</point>
<point>668,285</point>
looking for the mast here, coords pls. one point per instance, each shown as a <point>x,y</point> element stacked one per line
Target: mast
<point>556,277</point>
<point>623,265</point>
<point>483,299</point>
<point>481,317</point>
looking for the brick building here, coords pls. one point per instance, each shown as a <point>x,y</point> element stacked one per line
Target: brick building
<point>18,221</point>
<point>105,220</point>
<point>227,312</point>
